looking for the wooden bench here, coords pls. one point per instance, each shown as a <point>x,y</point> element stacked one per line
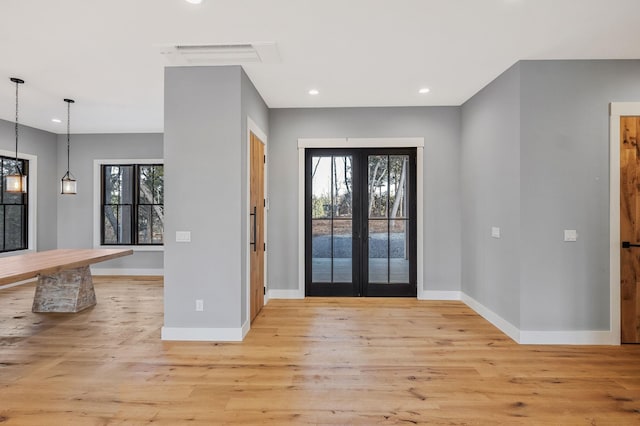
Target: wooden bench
<point>64,277</point>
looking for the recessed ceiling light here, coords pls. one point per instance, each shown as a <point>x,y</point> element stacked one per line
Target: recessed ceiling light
<point>313,92</point>
<point>194,1</point>
<point>424,90</point>
<point>56,120</point>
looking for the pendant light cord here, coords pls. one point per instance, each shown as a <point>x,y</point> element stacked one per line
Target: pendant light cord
<point>68,133</point>
<point>17,164</point>
<point>18,82</point>
<point>69,102</point>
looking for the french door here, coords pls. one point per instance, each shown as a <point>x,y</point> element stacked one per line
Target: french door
<point>360,222</point>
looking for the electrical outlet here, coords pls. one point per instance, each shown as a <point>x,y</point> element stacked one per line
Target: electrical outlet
<point>199,305</point>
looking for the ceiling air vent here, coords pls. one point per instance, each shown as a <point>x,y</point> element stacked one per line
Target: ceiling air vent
<point>221,54</point>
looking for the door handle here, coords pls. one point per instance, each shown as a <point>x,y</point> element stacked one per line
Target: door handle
<point>255,231</point>
<point>627,244</point>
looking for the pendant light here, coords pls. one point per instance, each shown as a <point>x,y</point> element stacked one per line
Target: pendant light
<point>69,183</point>
<point>16,182</point>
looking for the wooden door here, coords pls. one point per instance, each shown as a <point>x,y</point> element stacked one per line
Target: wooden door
<point>256,225</point>
<point>630,229</point>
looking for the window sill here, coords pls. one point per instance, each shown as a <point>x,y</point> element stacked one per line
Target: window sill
<point>16,252</point>
<point>134,248</point>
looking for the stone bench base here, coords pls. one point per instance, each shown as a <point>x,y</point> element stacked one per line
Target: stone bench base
<point>70,290</point>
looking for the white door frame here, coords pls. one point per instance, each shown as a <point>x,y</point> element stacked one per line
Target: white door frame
<point>616,110</point>
<point>417,143</point>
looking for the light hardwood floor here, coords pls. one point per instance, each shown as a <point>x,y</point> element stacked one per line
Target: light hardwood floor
<point>313,361</point>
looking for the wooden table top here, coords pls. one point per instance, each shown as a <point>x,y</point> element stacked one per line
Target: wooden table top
<point>30,265</point>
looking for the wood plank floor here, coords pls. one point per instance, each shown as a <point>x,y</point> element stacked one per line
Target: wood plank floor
<point>313,361</point>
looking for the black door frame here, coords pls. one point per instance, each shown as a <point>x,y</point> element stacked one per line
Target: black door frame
<point>359,285</point>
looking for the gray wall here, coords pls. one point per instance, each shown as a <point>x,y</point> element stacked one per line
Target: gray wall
<point>554,157</point>
<point>253,106</point>
<point>43,145</point>
<point>490,161</point>
<point>204,195</point>
<point>565,185</point>
<point>440,127</point>
<point>75,212</point>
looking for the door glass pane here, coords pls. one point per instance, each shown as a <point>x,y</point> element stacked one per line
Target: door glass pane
<point>398,173</point>
<point>320,187</point>
<point>342,250</point>
<point>378,185</point>
<point>321,251</point>
<point>399,253</point>
<point>342,184</point>
<point>378,251</point>
<point>331,217</point>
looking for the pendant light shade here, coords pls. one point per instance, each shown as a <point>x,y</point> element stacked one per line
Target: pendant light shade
<point>69,183</point>
<point>16,182</point>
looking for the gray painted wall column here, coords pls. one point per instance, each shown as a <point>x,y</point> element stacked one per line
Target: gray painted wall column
<point>253,107</point>
<point>204,195</point>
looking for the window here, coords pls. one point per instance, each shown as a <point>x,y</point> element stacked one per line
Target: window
<point>14,209</point>
<point>132,206</point>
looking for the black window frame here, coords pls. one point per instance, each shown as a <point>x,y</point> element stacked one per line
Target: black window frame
<point>24,167</point>
<point>134,205</point>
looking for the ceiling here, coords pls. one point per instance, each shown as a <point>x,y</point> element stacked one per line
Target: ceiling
<point>105,53</point>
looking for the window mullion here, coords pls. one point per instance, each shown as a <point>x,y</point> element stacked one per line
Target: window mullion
<point>135,177</point>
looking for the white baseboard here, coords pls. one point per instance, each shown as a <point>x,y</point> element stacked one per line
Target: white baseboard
<point>204,334</point>
<point>533,337</point>
<point>245,328</point>
<point>439,295</point>
<point>127,271</point>
<point>285,294</point>
<point>580,337</point>
<point>31,280</point>
<point>502,324</point>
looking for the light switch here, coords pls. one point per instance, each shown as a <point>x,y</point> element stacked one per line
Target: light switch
<point>495,232</point>
<point>570,235</point>
<point>183,236</point>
